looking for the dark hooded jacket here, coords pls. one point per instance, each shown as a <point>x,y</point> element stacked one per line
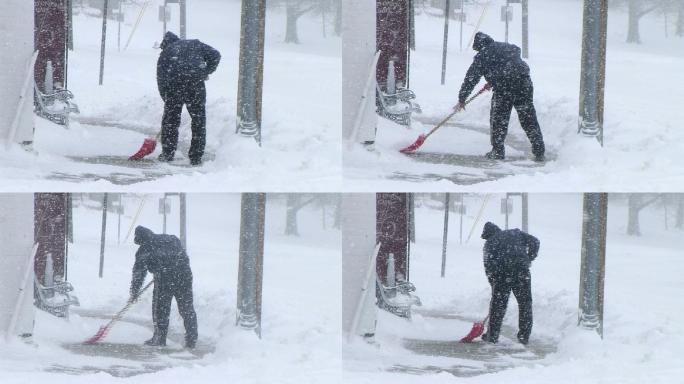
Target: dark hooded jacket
<point>500,63</point>
<point>507,250</point>
<point>184,62</point>
<point>161,255</point>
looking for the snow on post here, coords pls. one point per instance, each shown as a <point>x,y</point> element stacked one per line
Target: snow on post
<point>359,119</point>
<point>593,261</point>
<point>251,264</point>
<point>593,75</point>
<point>16,264</point>
<point>359,251</point>
<point>16,74</point>
<point>251,68</point>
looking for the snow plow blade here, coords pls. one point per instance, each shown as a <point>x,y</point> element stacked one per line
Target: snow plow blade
<point>148,147</point>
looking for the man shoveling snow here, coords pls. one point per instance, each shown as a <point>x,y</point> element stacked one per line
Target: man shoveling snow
<point>509,76</point>
<point>507,258</point>
<point>165,258</point>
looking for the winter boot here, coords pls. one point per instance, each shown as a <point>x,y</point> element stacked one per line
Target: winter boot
<point>485,337</point>
<point>196,162</point>
<point>495,154</point>
<point>523,340</point>
<point>190,343</point>
<point>165,157</point>
<point>156,341</point>
<point>540,158</point>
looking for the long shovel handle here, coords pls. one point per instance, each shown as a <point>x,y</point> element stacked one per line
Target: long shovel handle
<point>129,304</point>
<point>481,91</point>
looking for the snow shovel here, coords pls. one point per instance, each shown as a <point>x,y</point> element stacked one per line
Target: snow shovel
<point>476,331</point>
<point>104,330</point>
<point>148,147</point>
<point>421,139</point>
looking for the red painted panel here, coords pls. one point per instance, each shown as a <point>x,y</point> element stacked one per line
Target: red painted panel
<point>50,226</point>
<point>392,232</point>
<point>392,35</point>
<point>50,38</point>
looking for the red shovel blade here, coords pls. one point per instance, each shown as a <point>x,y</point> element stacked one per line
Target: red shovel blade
<point>148,147</point>
<point>411,148</point>
<point>476,331</point>
<point>98,336</point>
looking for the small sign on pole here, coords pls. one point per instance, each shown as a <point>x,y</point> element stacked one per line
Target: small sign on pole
<point>506,11</point>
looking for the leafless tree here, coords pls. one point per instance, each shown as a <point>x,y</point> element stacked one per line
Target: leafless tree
<point>637,202</point>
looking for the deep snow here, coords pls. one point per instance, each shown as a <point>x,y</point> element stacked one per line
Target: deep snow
<point>643,325</point>
<point>642,120</point>
<point>301,313</point>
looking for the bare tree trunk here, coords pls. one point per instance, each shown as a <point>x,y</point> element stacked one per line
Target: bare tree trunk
<point>633,22</point>
<point>634,201</point>
<point>636,204</point>
<point>293,205</point>
<point>291,22</point>
<point>680,19</point>
<point>679,223</point>
<point>338,212</point>
<point>338,17</point>
<point>636,12</point>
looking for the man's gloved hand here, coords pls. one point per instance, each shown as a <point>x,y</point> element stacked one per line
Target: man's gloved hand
<point>132,297</point>
<point>488,86</point>
<point>459,107</point>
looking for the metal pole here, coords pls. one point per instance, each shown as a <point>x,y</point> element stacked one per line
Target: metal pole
<point>593,68</point>
<point>183,20</point>
<point>506,17</point>
<point>251,69</point>
<point>119,210</point>
<point>250,274</point>
<point>118,34</point>
<point>446,38</point>
<point>104,39</point>
<point>164,17</point>
<point>183,221</point>
<point>460,235</point>
<point>506,210</point>
<point>462,17</point>
<point>104,230</point>
<point>525,30</point>
<point>164,214</point>
<point>593,261</point>
<point>525,214</point>
<point>446,231</point>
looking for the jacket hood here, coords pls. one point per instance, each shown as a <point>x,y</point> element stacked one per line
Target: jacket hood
<point>169,38</point>
<point>490,229</point>
<point>481,40</point>
<point>142,235</point>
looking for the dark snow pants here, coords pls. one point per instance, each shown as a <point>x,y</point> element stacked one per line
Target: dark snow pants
<point>194,97</point>
<point>519,281</point>
<point>168,285</point>
<point>519,94</point>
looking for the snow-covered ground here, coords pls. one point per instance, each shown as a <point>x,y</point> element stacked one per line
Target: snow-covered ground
<point>642,119</point>
<point>301,313</point>
<point>643,324</point>
<point>301,110</point>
